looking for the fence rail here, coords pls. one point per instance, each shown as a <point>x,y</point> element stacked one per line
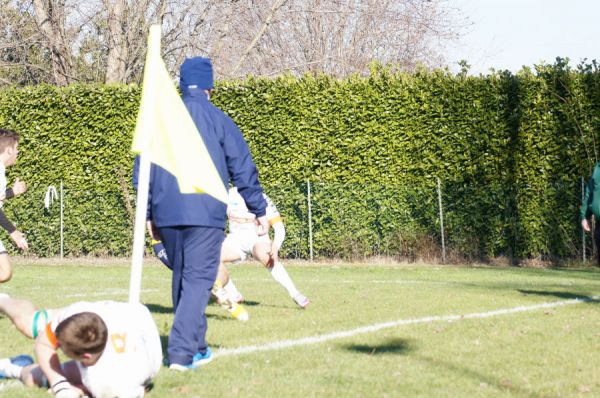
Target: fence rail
<point>442,221</point>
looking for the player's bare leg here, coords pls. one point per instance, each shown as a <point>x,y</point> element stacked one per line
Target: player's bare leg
<point>229,255</point>
<point>261,252</point>
<point>220,293</point>
<point>223,274</point>
<point>20,312</point>
<point>5,268</point>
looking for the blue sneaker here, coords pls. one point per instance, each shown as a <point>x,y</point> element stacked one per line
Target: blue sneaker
<point>202,359</point>
<point>197,360</point>
<point>19,360</point>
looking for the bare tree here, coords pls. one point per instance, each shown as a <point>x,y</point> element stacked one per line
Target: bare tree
<point>50,17</point>
<point>344,36</point>
<point>19,60</point>
<point>116,62</point>
<point>105,40</point>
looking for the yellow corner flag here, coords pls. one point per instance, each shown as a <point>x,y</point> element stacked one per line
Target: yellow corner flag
<point>166,133</point>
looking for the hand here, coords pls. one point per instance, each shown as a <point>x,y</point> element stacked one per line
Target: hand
<point>64,389</point>
<point>152,230</point>
<point>69,393</point>
<point>263,225</point>
<point>19,187</point>
<point>19,238</point>
<point>585,225</point>
<point>274,254</point>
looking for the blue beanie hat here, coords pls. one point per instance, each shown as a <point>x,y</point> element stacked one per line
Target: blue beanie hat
<point>196,71</point>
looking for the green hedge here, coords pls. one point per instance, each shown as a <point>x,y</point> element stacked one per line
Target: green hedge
<point>509,149</point>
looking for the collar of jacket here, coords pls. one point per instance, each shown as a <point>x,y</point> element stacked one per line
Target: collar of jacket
<point>193,92</point>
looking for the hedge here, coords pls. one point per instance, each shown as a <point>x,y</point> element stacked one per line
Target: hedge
<point>510,150</point>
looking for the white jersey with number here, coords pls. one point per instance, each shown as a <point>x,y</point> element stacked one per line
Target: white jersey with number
<point>240,217</point>
<point>133,354</point>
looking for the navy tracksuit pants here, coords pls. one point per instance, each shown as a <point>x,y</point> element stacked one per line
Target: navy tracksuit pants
<point>194,253</point>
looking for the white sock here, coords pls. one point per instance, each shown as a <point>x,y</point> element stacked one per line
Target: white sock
<point>10,370</point>
<point>220,294</point>
<point>279,273</point>
<point>231,290</point>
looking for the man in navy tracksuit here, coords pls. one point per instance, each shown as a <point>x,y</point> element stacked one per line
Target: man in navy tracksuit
<point>192,226</point>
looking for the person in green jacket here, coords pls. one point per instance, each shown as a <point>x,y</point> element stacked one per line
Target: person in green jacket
<point>591,205</point>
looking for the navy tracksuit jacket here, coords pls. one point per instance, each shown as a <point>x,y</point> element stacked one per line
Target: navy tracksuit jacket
<point>192,226</point>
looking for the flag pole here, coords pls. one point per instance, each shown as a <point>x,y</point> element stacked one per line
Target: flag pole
<point>139,231</point>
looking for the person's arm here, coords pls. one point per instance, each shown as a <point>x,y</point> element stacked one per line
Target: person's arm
<point>585,210</point>
<point>17,236</point>
<point>243,172</point>
<point>6,224</point>
<point>47,358</point>
<point>18,188</point>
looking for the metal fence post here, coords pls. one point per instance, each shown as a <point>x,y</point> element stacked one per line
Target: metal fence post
<point>62,235</point>
<point>582,230</point>
<point>439,189</point>
<point>310,231</point>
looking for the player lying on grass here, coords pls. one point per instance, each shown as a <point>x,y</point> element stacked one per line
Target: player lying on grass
<point>241,241</point>
<point>114,348</point>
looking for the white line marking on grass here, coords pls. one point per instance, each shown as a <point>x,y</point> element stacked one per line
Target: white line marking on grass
<point>350,281</point>
<point>278,345</point>
<point>113,292</point>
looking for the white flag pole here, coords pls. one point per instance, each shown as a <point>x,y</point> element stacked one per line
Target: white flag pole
<point>139,231</point>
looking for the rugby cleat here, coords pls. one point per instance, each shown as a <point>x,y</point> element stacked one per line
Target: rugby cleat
<point>238,312</point>
<point>19,360</point>
<point>301,300</point>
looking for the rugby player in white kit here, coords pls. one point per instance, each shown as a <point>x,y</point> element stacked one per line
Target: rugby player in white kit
<point>114,346</point>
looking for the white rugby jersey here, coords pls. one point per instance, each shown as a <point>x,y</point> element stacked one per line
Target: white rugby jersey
<point>238,213</point>
<point>2,183</point>
<point>132,354</point>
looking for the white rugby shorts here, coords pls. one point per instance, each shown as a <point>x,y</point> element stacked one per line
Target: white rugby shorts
<point>243,240</point>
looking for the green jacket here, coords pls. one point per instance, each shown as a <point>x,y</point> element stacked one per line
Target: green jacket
<point>591,196</point>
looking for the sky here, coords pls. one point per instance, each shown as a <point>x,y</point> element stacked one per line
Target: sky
<point>507,34</point>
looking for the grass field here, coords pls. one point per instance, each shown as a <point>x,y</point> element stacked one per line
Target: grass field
<point>370,331</point>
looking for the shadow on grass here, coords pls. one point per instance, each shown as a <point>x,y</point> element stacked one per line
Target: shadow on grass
<point>562,295</point>
<point>251,303</point>
<point>485,381</point>
<point>159,309</point>
<point>395,346</point>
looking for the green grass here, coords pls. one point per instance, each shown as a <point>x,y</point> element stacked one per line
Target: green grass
<point>547,352</point>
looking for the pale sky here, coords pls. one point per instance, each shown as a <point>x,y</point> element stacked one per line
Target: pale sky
<point>506,34</point>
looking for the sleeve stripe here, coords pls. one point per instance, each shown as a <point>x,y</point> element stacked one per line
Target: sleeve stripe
<point>51,336</point>
<point>275,220</point>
